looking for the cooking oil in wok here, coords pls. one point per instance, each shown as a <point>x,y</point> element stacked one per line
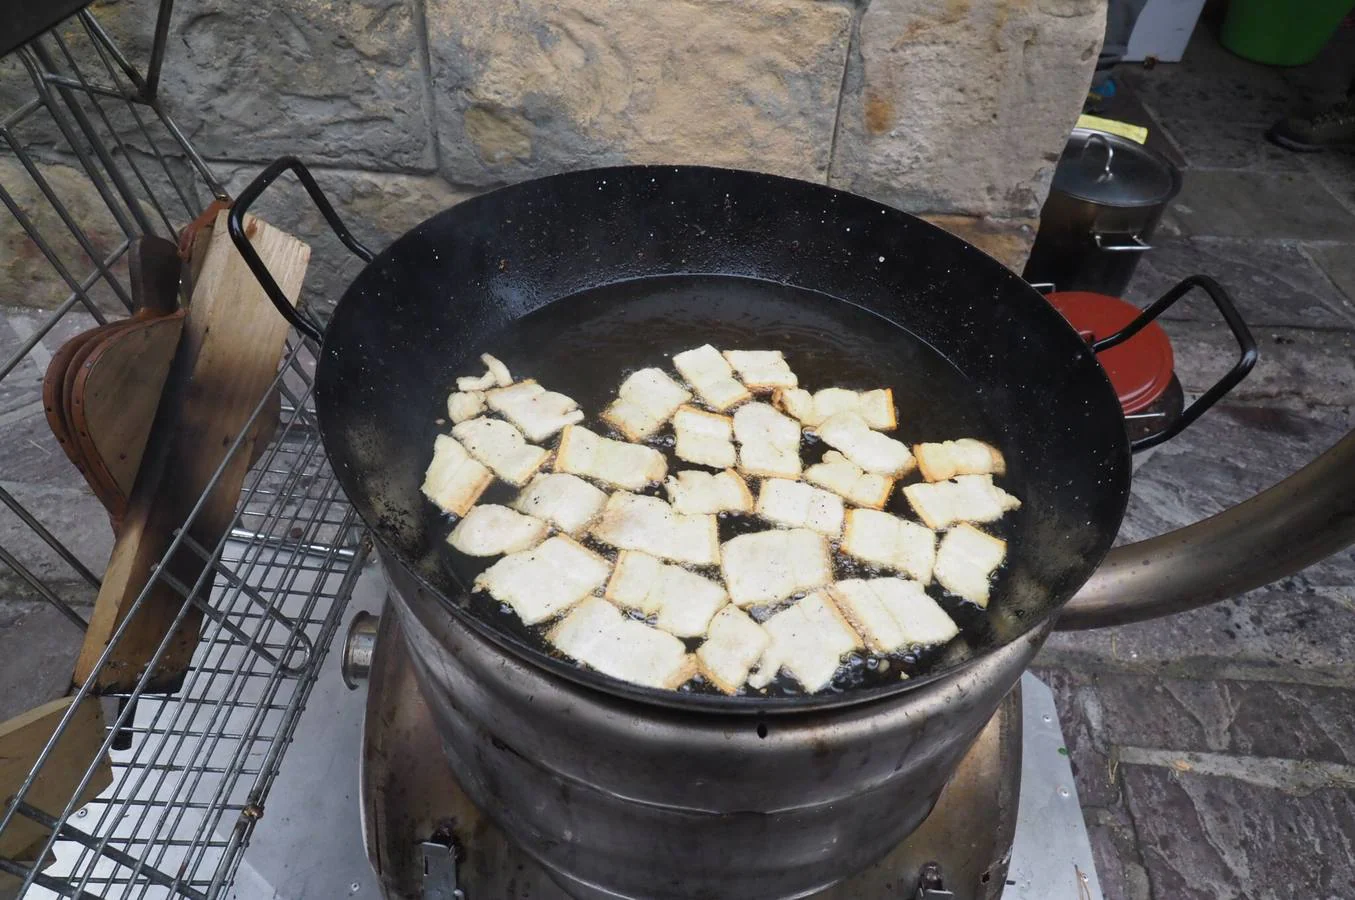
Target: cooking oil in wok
<point>585,345</point>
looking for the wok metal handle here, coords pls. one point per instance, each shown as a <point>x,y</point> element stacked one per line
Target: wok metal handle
<point>1307,517</point>
<point>1246,343</point>
<point>235,224</point>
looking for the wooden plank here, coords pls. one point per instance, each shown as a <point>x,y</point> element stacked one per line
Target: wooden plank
<point>228,355</point>
<point>21,740</point>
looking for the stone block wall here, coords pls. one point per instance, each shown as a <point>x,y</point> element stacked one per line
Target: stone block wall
<point>952,109</point>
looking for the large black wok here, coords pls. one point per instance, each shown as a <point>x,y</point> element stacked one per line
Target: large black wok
<point>653,245</point>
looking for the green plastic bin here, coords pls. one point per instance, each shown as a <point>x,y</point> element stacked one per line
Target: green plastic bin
<point>1282,32</point>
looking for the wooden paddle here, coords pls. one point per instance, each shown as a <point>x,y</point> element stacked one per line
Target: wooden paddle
<point>226,360</point>
<point>122,369</point>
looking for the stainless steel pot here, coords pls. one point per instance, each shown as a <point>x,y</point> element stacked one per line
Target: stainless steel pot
<point>1106,200</point>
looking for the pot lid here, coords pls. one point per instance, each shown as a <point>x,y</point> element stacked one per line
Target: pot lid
<point>1140,369</point>
<point>1113,170</point>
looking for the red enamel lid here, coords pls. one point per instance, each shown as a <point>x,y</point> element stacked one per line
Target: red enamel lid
<point>1141,368</point>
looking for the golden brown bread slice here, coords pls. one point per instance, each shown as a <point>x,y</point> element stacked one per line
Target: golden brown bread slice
<point>969,498</point>
<point>769,443</point>
<point>890,542</point>
<point>809,639</point>
<point>701,492</point>
<point>792,504</point>
<point>645,401</point>
<point>617,463</point>
<point>647,524</point>
<point>769,566</point>
<point>463,405</point>
<point>710,375</point>
<point>966,456</point>
<point>493,530</point>
<point>537,412</point>
<point>681,601</point>
<point>496,375</point>
<point>453,480</point>
<point>543,582</point>
<point>849,481</point>
<point>565,501</point>
<point>703,438</point>
<point>733,646</point>
<point>500,446</point>
<point>502,377</point>
<point>602,637</point>
<point>762,370</point>
<point>966,561</point>
<point>849,434</point>
<point>875,407</point>
<point>892,613</point>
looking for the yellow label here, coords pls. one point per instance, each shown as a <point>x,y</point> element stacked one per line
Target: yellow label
<point>1136,133</point>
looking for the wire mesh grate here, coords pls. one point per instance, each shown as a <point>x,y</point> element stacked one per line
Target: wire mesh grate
<point>188,789</point>
<point>89,162</point>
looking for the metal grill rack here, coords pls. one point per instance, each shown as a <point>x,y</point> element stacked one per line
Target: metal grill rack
<point>190,771</point>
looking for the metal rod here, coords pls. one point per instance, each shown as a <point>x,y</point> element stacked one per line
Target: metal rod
<point>80,295</point>
<point>229,702</point>
<point>31,875</point>
<point>292,626</point>
<point>43,590</point>
<point>269,770</point>
<point>93,89</point>
<point>285,543</point>
<point>39,62</point>
<point>132,103</point>
<point>150,99</point>
<point>50,539</point>
<point>71,98</point>
<point>152,83</point>
<point>66,831</point>
<point>1307,517</point>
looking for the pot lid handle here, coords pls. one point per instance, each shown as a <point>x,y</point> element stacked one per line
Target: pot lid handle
<point>1101,141</point>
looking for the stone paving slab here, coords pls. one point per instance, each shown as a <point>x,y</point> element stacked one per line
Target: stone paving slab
<point>1207,837</point>
<point>1338,263</point>
<point>38,648</point>
<point>1210,789</point>
<point>1282,205</point>
<point>1271,283</point>
<point>76,518</point>
<point>1209,83</point>
<point>1298,369</point>
<point>1218,144</point>
<point>1335,170</point>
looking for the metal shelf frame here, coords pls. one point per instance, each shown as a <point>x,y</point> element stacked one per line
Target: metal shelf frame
<point>191,770</point>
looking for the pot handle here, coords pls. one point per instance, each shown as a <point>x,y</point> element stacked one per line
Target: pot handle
<point>1116,243</point>
<point>235,224</point>
<point>1246,344</point>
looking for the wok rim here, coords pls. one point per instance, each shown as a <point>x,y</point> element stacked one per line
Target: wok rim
<point>724,704</point>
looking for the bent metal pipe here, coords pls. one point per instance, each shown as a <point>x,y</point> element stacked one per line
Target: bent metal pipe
<point>1307,517</point>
